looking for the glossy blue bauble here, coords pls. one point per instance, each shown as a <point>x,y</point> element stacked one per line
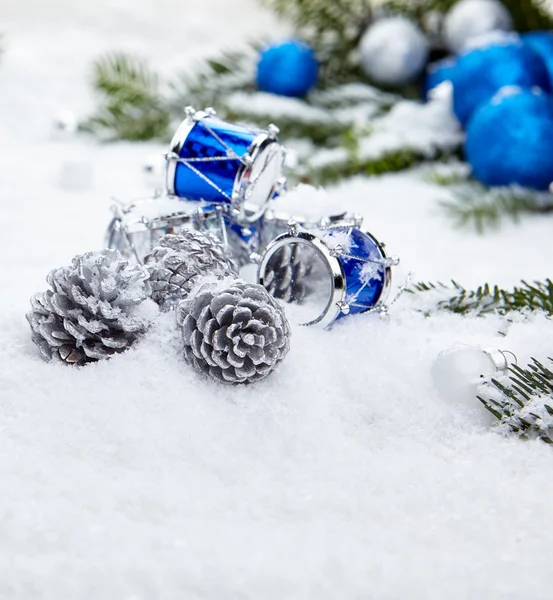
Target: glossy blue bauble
<point>542,43</point>
<point>288,69</point>
<point>438,73</point>
<point>482,72</point>
<point>509,140</point>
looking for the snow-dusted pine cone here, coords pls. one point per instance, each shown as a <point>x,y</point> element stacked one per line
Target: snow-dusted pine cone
<point>94,309</point>
<point>177,262</point>
<point>235,333</point>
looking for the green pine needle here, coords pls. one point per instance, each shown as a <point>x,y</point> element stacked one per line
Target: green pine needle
<point>487,299</point>
<point>131,104</point>
<point>524,403</point>
<point>481,208</point>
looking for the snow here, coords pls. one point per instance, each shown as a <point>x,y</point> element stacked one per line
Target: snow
<point>424,128</point>
<point>343,475</point>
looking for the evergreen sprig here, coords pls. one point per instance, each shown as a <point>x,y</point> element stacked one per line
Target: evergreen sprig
<point>524,404</point>
<point>132,107</point>
<point>492,299</point>
<point>482,208</point>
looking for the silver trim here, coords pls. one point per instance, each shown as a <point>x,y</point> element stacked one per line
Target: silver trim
<point>500,359</point>
<point>195,216</point>
<point>301,236</point>
<point>177,143</point>
<point>242,182</point>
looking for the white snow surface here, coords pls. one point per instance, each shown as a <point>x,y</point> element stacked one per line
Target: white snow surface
<point>343,475</point>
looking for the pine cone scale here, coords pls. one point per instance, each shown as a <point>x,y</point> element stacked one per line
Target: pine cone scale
<point>88,314</point>
<point>230,333</point>
<point>179,261</point>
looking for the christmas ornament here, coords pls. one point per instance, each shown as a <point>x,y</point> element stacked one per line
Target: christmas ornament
<point>542,43</point>
<point>225,164</point>
<point>136,228</point>
<point>469,19</point>
<point>393,51</point>
<point>287,69</point>
<point>98,306</point>
<point>458,372</point>
<point>479,74</point>
<point>328,273</point>
<point>234,333</point>
<point>509,140</point>
<point>244,240</point>
<point>438,74</point>
<point>177,262</point>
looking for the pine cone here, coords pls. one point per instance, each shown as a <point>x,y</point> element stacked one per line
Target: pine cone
<point>236,334</point>
<point>177,262</point>
<point>91,312</point>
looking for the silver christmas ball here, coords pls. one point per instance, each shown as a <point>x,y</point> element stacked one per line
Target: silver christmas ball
<point>472,19</point>
<point>394,51</point>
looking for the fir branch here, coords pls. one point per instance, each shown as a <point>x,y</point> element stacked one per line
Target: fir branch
<point>213,81</point>
<point>487,299</point>
<point>131,104</point>
<point>524,404</point>
<point>448,177</point>
<point>484,208</point>
<point>350,165</point>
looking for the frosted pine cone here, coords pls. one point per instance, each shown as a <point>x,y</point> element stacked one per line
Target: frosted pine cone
<point>92,310</point>
<point>177,262</point>
<point>236,334</point>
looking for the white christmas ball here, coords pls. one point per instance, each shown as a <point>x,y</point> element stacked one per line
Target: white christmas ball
<point>393,51</point>
<point>470,19</point>
<point>458,373</point>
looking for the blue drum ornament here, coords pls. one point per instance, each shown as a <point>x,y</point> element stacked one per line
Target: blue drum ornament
<point>227,164</point>
<point>326,273</point>
<point>136,228</point>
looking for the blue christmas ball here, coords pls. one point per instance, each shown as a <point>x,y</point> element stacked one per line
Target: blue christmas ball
<point>438,73</point>
<point>542,43</point>
<point>482,72</point>
<point>287,69</point>
<point>509,140</point>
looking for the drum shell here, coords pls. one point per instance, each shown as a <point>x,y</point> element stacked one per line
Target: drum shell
<point>356,267</point>
<point>200,143</point>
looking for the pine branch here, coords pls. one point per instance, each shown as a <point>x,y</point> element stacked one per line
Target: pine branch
<point>390,162</point>
<point>214,81</point>
<point>486,299</point>
<point>131,104</point>
<point>474,205</point>
<point>524,404</point>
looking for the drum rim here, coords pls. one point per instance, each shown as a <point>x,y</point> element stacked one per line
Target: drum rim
<point>332,309</point>
<point>341,219</point>
<point>261,142</point>
<point>339,286</point>
<point>177,142</point>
